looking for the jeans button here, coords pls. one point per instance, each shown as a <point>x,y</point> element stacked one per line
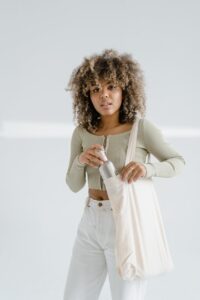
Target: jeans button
<point>100,204</point>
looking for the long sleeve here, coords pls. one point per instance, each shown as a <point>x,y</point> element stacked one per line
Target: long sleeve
<point>76,174</point>
<point>171,163</point>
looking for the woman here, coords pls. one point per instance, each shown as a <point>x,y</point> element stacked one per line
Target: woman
<point>108,91</point>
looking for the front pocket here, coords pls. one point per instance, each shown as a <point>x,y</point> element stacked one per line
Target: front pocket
<point>89,217</point>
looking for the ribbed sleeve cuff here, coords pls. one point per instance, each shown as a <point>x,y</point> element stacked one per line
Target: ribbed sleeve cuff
<point>150,170</point>
<point>78,163</point>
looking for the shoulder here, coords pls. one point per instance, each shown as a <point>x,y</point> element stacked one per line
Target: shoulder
<point>151,132</point>
<point>78,132</point>
<point>148,125</point>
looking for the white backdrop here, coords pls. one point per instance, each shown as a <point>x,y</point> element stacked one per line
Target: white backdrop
<point>42,42</point>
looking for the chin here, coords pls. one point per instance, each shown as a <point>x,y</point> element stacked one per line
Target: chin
<point>108,113</point>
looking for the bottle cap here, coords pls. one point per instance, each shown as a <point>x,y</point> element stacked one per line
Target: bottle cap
<point>102,154</point>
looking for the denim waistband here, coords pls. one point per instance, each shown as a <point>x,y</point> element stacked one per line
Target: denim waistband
<point>98,203</point>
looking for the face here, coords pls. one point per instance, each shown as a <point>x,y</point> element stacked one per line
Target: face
<point>106,97</point>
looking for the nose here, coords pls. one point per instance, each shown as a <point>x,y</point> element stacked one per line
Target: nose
<point>104,93</point>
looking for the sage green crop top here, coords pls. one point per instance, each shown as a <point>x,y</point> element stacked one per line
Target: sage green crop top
<point>149,140</point>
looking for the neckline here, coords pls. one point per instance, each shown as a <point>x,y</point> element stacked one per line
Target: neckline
<point>103,135</point>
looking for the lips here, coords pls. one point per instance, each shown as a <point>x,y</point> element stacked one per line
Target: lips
<point>106,104</point>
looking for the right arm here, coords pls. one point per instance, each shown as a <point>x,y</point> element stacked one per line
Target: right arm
<point>79,159</point>
<point>76,173</point>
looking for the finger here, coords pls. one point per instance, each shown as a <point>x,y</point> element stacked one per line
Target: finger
<point>134,176</point>
<point>127,171</point>
<point>93,160</point>
<point>127,168</point>
<point>96,146</point>
<point>96,156</point>
<point>91,163</point>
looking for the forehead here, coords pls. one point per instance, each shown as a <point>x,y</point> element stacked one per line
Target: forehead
<point>101,82</point>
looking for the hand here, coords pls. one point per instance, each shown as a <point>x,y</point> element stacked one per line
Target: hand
<point>132,171</point>
<point>91,157</point>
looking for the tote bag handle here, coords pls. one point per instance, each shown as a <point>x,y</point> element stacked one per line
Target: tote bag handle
<point>131,151</point>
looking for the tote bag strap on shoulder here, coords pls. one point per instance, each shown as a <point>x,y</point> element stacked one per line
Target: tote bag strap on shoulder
<point>131,151</point>
<point>132,141</point>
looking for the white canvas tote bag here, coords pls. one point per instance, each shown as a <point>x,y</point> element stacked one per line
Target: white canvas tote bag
<point>141,245</point>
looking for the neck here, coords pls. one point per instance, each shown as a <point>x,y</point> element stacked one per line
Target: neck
<point>109,122</point>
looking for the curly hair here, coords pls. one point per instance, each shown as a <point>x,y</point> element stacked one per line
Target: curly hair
<point>122,70</point>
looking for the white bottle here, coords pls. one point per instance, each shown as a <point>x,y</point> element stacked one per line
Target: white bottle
<point>107,169</point>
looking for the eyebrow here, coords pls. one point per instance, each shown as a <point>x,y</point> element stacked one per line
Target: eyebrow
<point>99,85</point>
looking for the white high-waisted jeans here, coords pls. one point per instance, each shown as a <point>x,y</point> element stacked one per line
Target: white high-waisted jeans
<point>93,256</point>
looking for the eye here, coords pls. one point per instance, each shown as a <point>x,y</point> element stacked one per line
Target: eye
<point>95,90</point>
<point>111,86</point>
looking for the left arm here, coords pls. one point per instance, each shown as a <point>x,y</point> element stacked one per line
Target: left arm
<point>171,163</point>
